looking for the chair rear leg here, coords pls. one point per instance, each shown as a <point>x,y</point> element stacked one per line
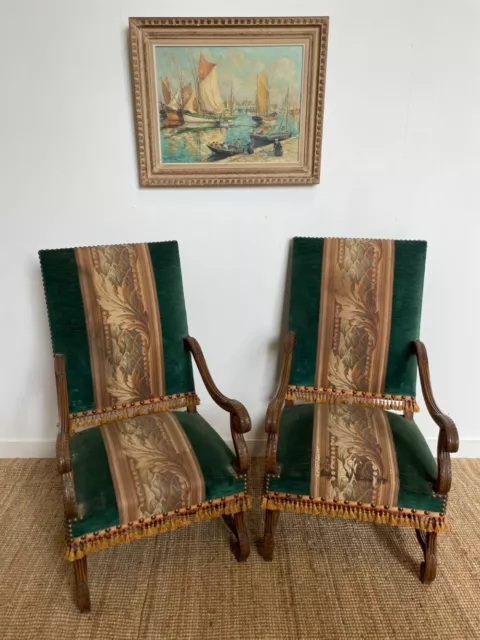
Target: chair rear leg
<point>428,568</point>
<point>267,545</point>
<point>237,525</point>
<point>81,579</point>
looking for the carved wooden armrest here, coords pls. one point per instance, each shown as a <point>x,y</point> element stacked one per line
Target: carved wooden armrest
<point>69,497</point>
<point>276,404</point>
<point>448,435</point>
<point>240,422</point>
<point>64,461</point>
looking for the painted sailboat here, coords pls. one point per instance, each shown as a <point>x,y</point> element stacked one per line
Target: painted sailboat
<point>279,132</point>
<point>231,104</point>
<point>172,104</point>
<point>294,107</point>
<point>263,101</point>
<point>189,100</point>
<point>166,96</point>
<point>206,105</point>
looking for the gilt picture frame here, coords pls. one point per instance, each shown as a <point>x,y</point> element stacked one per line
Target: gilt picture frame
<point>228,101</point>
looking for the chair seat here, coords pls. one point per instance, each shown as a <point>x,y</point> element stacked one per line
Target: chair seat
<point>355,455</point>
<point>151,470</point>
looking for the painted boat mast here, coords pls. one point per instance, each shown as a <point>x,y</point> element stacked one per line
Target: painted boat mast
<point>263,100</point>
<point>210,107</point>
<point>280,131</point>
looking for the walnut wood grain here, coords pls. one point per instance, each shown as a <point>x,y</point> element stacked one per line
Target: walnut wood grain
<point>276,404</point>
<point>241,544</point>
<point>81,580</point>
<point>240,422</point>
<point>267,545</point>
<point>428,543</point>
<point>62,394</point>
<point>64,462</point>
<point>448,436</point>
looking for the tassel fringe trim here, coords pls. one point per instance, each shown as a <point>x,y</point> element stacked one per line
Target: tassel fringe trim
<point>96,417</point>
<point>364,398</point>
<point>395,516</point>
<point>77,548</point>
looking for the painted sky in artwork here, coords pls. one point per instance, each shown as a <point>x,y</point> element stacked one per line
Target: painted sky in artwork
<point>238,66</point>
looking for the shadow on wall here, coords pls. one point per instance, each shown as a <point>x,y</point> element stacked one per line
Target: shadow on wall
<point>276,346</point>
<point>39,377</point>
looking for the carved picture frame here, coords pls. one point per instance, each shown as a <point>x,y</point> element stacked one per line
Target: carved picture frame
<point>294,160</point>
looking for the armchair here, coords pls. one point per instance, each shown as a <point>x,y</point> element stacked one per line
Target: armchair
<point>135,456</point>
<point>348,358</point>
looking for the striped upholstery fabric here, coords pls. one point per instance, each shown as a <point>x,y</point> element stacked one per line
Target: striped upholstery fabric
<point>117,313</point>
<point>355,307</point>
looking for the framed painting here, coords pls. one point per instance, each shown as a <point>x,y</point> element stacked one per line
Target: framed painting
<point>228,101</point>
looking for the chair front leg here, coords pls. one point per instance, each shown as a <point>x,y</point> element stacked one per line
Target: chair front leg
<point>81,579</point>
<point>428,543</point>
<point>267,545</point>
<point>237,525</point>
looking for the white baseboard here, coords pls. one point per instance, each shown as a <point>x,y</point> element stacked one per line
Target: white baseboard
<point>256,447</point>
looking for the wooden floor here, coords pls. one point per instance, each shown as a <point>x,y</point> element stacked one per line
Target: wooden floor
<point>330,578</point>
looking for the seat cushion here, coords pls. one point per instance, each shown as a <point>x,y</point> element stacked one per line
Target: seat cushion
<point>150,472</point>
<point>365,462</point>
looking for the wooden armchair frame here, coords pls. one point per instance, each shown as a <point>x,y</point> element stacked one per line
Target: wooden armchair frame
<point>239,423</point>
<point>447,444</point>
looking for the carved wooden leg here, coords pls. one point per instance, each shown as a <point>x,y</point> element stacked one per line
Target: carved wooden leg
<point>83,593</point>
<point>428,542</point>
<point>267,545</point>
<point>241,545</point>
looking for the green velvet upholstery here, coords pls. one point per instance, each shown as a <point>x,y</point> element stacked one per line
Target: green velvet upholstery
<point>216,459</point>
<point>168,277</point>
<point>408,281</point>
<point>96,502</point>
<point>68,327</point>
<point>117,313</point>
<point>356,454</point>
<point>93,469</point>
<point>305,312</point>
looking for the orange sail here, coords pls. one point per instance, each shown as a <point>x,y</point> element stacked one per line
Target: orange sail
<point>204,67</point>
<point>263,95</point>
<point>209,98</point>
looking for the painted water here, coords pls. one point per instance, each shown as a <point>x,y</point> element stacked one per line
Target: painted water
<point>209,95</point>
<point>188,143</point>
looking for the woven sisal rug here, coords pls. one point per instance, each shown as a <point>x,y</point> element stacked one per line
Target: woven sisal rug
<point>329,579</point>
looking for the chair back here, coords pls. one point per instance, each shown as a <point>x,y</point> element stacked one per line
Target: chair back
<point>355,307</point>
<point>117,313</point>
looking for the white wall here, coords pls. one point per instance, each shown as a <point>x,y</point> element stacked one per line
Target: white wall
<point>401,159</point>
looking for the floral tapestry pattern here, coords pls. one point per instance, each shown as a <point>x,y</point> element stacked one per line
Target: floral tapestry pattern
<point>355,314</point>
<point>153,466</point>
<point>353,455</point>
<point>123,323</point>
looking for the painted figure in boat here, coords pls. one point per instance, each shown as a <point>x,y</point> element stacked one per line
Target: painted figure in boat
<point>229,103</point>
